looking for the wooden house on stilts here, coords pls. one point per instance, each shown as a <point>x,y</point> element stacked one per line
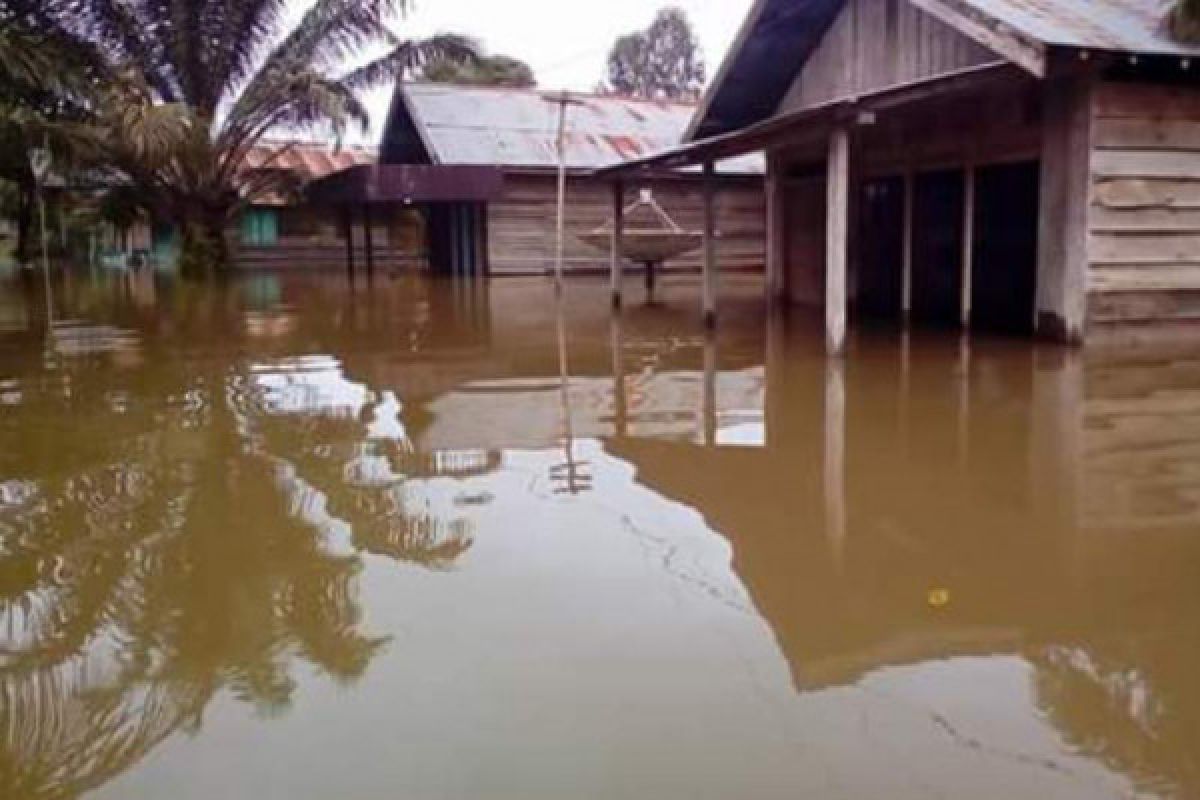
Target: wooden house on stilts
<point>479,165</point>
<point>1031,166</point>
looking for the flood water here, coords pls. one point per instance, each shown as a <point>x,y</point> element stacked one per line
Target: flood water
<point>286,538</point>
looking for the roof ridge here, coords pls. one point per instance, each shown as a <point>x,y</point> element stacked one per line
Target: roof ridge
<point>542,92</point>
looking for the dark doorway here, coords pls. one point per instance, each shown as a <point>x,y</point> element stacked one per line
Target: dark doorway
<point>881,249</point>
<point>938,248</point>
<point>457,238</point>
<point>1004,277</point>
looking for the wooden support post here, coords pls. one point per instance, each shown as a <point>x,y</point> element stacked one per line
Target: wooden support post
<point>1064,206</point>
<point>710,245</point>
<point>910,212</point>
<point>618,232</point>
<point>968,246</point>
<point>368,240</point>
<point>837,240</point>
<point>776,259</point>
<point>348,227</point>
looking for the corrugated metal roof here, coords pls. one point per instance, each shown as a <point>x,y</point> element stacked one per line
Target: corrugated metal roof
<point>309,162</point>
<point>517,128</point>
<point>779,35</point>
<point>1134,26</point>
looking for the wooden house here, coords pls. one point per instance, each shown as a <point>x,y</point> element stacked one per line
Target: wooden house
<point>1029,166</point>
<point>283,230</point>
<point>480,165</point>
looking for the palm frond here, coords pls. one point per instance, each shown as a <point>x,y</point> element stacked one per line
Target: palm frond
<point>408,57</point>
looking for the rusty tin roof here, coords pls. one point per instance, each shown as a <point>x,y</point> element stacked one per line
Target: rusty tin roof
<point>517,128</point>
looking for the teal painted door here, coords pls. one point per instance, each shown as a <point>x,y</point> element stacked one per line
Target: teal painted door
<point>260,227</point>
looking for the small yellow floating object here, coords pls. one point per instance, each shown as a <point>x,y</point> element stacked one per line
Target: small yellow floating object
<point>939,598</point>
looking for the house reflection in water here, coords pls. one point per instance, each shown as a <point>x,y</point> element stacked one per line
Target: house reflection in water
<point>990,526</point>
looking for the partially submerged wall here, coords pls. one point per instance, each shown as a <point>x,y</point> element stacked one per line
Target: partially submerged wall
<point>522,235</point>
<point>1144,215</point>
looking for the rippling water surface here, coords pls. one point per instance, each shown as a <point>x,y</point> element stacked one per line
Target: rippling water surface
<point>289,538</point>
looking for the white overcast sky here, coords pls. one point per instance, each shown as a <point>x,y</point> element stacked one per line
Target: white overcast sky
<point>565,41</point>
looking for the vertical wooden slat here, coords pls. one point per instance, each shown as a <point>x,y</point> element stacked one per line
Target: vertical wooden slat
<point>710,245</point>
<point>775,231</point>
<point>910,199</point>
<point>348,227</point>
<point>968,246</point>
<point>368,240</point>
<point>837,240</point>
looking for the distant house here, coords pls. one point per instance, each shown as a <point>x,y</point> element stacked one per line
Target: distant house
<point>1020,165</point>
<point>480,165</point>
<point>285,231</point>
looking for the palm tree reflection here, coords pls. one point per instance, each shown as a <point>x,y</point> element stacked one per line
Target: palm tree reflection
<point>215,546</point>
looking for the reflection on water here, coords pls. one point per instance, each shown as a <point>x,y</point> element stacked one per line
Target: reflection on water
<point>287,538</point>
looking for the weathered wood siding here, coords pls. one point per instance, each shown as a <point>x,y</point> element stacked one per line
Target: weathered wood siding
<point>1144,216</point>
<point>522,226</point>
<point>874,44</point>
<point>313,237</point>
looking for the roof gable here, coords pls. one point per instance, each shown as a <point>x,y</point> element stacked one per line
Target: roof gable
<point>517,128</point>
<point>780,35</point>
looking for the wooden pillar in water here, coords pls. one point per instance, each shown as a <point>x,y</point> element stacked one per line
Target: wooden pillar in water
<point>910,212</point>
<point>837,240</point>
<point>348,227</point>
<point>968,246</point>
<point>618,232</point>
<point>368,240</point>
<point>710,245</point>
<point>1066,184</point>
<point>776,260</point>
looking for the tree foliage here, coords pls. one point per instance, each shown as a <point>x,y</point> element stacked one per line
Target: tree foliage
<point>497,70</point>
<point>1184,21</point>
<point>182,90</point>
<point>663,62</point>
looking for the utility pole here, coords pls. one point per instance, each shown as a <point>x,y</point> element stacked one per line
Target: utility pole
<point>562,99</point>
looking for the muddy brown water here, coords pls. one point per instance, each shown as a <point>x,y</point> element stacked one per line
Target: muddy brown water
<point>286,538</point>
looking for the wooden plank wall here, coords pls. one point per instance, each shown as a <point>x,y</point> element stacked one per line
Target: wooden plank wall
<point>874,44</point>
<point>313,238</point>
<point>521,226</point>
<point>1144,221</point>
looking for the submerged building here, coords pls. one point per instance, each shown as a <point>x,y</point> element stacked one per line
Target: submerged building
<point>480,167</point>
<point>1031,166</point>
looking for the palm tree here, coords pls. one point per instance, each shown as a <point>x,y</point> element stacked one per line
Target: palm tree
<point>187,87</point>
<point>41,87</point>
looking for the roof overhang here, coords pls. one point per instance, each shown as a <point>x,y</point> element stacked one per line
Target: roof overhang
<point>408,184</point>
<point>817,122</point>
<point>774,41</point>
